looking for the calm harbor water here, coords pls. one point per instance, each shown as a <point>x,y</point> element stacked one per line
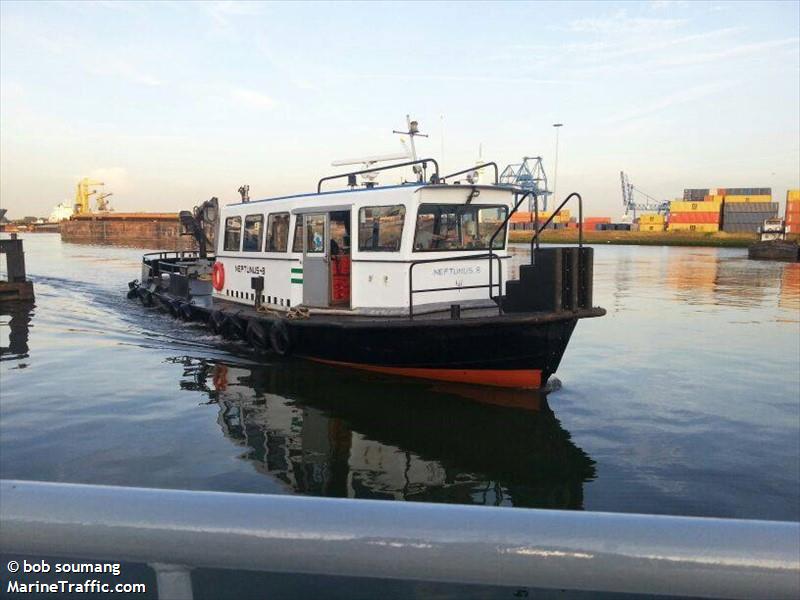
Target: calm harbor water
<point>684,399</point>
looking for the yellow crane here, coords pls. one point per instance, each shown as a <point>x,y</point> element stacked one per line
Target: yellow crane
<point>83,193</point>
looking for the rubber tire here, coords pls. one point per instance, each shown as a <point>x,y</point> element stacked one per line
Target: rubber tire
<point>279,338</point>
<point>186,312</point>
<point>215,322</point>
<point>257,337</point>
<point>174,307</point>
<point>233,328</point>
<point>146,297</point>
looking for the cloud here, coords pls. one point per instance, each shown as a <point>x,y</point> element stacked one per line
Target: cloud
<point>124,70</point>
<point>734,51</point>
<point>116,179</point>
<point>620,22</point>
<point>222,13</point>
<point>252,99</point>
<point>680,97</point>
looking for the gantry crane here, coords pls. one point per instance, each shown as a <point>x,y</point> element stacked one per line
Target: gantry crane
<point>530,176</point>
<point>630,204</point>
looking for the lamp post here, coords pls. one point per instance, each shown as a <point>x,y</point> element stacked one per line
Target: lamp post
<point>555,171</point>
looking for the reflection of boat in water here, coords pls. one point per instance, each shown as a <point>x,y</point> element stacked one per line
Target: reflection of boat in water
<point>328,435</point>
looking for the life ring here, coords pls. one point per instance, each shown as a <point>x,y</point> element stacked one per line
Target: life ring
<point>218,276</point>
<point>256,336</point>
<point>279,338</point>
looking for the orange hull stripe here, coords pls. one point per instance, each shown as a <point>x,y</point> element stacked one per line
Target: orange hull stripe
<point>511,378</point>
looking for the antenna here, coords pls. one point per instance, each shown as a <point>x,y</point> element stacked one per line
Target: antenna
<point>413,131</point>
<point>368,161</point>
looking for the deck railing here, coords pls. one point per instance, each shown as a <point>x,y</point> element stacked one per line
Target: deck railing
<point>176,531</point>
<point>490,255</point>
<point>166,261</point>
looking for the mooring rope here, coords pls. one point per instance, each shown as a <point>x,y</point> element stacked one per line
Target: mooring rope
<point>296,312</point>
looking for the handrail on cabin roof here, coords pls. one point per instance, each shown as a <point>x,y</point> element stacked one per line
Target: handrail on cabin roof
<point>422,161</point>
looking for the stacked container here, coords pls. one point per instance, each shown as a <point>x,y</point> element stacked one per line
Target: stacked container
<point>695,194</point>
<point>746,194</point>
<point>651,222</point>
<point>746,217</point>
<point>792,216</point>
<point>591,223</point>
<point>700,216</point>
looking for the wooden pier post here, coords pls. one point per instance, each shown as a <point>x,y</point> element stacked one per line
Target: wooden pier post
<point>17,287</point>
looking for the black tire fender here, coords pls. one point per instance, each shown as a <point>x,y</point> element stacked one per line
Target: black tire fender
<point>186,312</point>
<point>215,321</point>
<point>233,328</point>
<point>174,307</point>
<point>279,338</point>
<point>257,336</point>
<point>146,297</point>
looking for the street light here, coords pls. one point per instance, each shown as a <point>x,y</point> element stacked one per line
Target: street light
<point>555,171</point>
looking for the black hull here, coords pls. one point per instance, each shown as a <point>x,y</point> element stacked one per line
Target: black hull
<point>519,350</point>
<point>485,344</point>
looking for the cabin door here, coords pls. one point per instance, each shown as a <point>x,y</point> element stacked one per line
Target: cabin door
<point>339,232</point>
<point>316,260</point>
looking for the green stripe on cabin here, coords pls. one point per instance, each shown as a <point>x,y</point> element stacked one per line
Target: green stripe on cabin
<point>297,280</point>
<point>297,269</point>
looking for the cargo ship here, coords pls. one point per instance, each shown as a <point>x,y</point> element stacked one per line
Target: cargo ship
<point>408,280</point>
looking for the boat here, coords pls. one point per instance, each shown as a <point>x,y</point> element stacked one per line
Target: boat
<point>409,279</point>
<point>773,245</point>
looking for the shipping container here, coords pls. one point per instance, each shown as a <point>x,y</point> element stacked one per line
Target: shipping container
<point>652,218</point>
<point>742,218</point>
<point>742,227</point>
<point>733,199</point>
<point>694,217</point>
<point>695,194</point>
<point>696,227</point>
<point>792,195</point>
<point>681,206</point>
<point>651,227</point>
<point>751,207</point>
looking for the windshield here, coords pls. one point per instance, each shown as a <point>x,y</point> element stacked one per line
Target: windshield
<point>458,227</point>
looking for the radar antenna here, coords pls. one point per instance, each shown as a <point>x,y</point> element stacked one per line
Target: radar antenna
<point>413,131</point>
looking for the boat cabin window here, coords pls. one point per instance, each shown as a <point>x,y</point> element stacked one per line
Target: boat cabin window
<point>233,233</point>
<point>315,234</point>
<point>277,232</point>
<point>297,242</point>
<point>253,232</point>
<point>458,227</point>
<point>380,228</point>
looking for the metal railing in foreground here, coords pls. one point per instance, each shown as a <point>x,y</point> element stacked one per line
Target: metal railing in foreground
<point>174,531</point>
<point>166,261</point>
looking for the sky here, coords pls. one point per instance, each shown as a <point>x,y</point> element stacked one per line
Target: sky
<point>170,103</point>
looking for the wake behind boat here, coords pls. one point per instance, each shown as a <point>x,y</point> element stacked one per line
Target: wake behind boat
<point>409,279</point>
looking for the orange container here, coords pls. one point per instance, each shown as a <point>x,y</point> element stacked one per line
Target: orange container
<point>694,217</point>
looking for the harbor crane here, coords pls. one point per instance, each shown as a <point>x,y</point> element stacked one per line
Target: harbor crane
<point>83,194</point>
<point>649,204</point>
<point>530,176</point>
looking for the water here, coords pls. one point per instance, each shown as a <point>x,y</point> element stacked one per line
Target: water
<point>682,400</point>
